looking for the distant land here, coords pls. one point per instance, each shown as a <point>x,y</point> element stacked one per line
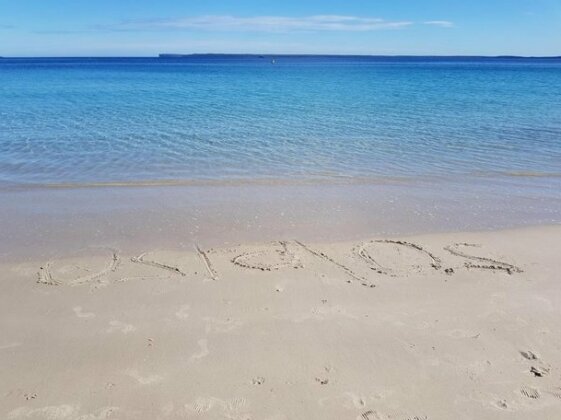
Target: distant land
<point>270,56</point>
<point>225,55</point>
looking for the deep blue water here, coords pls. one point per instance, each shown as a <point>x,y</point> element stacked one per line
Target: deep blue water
<point>201,118</point>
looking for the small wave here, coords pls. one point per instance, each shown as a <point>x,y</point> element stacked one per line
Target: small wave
<point>209,182</point>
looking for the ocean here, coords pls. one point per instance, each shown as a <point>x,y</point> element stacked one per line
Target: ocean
<point>223,149</point>
<point>242,118</point>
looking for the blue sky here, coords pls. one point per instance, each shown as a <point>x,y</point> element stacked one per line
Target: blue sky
<point>142,27</point>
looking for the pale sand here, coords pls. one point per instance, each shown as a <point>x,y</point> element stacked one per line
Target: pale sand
<point>289,331</point>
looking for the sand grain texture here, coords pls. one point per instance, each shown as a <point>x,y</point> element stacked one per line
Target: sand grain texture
<point>444,326</point>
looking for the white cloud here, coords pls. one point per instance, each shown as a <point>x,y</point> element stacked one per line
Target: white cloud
<point>441,23</point>
<point>267,23</point>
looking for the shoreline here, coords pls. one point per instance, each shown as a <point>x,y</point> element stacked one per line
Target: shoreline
<point>319,179</point>
<point>52,221</point>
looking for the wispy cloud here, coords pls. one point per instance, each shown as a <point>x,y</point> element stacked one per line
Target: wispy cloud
<point>266,23</point>
<point>441,23</point>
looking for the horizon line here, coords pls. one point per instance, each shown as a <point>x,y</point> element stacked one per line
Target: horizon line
<point>185,55</point>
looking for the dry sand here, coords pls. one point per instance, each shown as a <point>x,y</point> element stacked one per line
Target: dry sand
<point>427,327</point>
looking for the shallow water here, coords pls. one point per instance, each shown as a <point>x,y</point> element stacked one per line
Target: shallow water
<point>89,121</point>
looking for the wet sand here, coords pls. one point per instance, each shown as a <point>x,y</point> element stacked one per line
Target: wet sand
<point>461,325</point>
<point>49,222</point>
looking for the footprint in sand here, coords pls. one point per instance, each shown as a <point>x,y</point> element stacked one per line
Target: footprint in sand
<point>144,380</point>
<point>374,415</point>
<point>121,327</point>
<point>30,396</point>
<point>529,355</point>
<point>538,368</point>
<point>231,409</point>
<point>530,392</point>
<point>202,405</point>
<point>555,392</point>
<point>80,314</point>
<point>369,415</point>
<point>183,312</point>
<point>258,380</point>
<point>539,371</point>
<point>203,350</point>
<point>501,404</point>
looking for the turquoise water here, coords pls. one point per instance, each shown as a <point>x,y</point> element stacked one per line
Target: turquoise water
<point>82,121</point>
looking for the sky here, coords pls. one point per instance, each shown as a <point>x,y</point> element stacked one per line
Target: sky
<point>388,27</point>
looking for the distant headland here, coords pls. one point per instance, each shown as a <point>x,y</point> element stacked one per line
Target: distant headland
<point>227,55</point>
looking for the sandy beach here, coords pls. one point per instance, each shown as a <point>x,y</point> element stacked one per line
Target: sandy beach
<point>365,235</point>
<point>440,326</point>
